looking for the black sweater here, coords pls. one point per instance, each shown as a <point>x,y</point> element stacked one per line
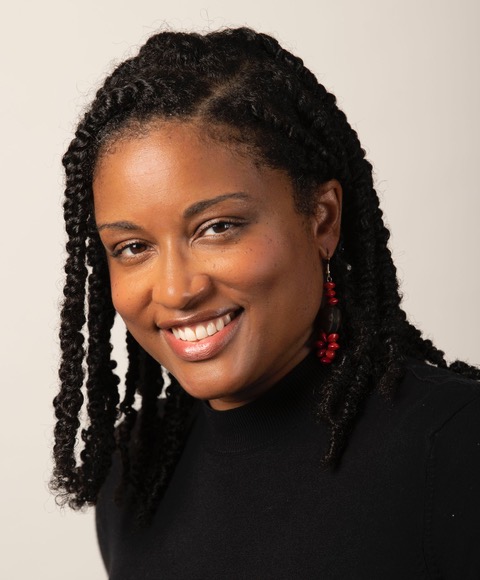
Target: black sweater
<point>249,499</point>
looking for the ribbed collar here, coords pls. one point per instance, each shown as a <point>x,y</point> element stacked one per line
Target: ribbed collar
<point>267,418</point>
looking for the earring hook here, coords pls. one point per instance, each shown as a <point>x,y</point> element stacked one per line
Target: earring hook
<point>327,269</point>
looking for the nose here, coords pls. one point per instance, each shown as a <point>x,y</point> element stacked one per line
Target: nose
<point>180,282</point>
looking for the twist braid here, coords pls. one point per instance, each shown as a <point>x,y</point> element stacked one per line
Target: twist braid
<point>125,428</point>
<point>174,429</point>
<point>102,383</point>
<point>151,386</point>
<point>69,401</point>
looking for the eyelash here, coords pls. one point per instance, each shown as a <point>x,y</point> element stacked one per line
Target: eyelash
<point>119,252</point>
<point>233,224</point>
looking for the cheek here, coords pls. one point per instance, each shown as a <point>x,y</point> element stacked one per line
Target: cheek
<point>251,269</point>
<point>299,281</point>
<point>279,270</point>
<point>128,295</point>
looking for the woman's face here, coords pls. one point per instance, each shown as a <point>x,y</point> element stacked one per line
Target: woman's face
<point>213,270</point>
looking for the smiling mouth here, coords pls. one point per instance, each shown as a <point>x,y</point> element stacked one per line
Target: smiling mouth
<point>205,329</point>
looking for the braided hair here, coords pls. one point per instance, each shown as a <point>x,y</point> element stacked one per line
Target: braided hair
<point>241,87</point>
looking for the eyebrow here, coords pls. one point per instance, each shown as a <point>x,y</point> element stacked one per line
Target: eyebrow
<point>122,225</point>
<point>190,212</point>
<point>200,206</point>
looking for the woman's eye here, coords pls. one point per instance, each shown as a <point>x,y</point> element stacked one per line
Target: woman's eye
<point>129,250</point>
<point>218,228</point>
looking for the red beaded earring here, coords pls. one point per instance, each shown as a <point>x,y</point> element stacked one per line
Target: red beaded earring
<point>330,318</point>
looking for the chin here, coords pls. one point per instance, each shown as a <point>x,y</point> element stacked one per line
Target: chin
<point>206,386</point>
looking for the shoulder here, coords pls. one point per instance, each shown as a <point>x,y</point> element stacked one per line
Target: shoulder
<point>427,374</point>
<point>446,407</point>
<point>420,453</point>
<point>433,412</point>
<point>434,397</point>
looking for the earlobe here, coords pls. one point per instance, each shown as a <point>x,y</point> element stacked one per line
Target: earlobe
<point>328,216</point>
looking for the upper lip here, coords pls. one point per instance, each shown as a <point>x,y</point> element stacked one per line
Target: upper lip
<point>194,318</point>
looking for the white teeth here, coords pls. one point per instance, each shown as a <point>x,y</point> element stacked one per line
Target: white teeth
<point>200,332</point>
<point>211,329</point>
<point>189,334</point>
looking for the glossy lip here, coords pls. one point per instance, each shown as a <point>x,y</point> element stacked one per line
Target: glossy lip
<point>205,348</point>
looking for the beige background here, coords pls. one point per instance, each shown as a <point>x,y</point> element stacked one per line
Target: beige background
<point>406,73</point>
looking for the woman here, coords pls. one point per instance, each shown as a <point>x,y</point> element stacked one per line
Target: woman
<point>220,202</point>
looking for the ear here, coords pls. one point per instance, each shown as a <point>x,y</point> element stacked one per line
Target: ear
<point>327,217</point>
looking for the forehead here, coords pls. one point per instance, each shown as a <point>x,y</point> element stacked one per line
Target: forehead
<point>174,165</point>
<point>162,138</point>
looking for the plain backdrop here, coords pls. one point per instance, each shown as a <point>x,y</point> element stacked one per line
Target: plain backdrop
<point>406,73</point>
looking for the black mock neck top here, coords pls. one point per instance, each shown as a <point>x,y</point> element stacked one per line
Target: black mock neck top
<point>249,498</point>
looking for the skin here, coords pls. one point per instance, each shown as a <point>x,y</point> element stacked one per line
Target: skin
<point>251,253</point>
